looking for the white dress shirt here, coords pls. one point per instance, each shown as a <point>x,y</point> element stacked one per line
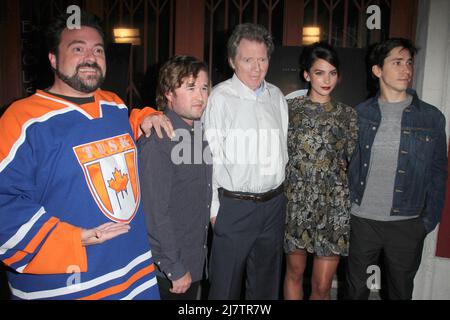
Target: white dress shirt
<point>247,135</point>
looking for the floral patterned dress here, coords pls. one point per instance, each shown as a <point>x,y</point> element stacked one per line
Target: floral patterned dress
<point>321,139</point>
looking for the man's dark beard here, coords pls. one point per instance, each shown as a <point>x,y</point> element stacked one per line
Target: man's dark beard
<point>76,83</point>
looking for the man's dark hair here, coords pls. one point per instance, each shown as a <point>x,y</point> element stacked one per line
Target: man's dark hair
<point>382,50</point>
<point>252,32</point>
<point>55,29</point>
<point>315,51</point>
<point>174,72</point>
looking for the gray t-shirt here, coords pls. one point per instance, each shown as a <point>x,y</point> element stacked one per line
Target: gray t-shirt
<point>376,203</point>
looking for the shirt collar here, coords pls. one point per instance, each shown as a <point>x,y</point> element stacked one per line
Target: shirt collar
<point>73,100</point>
<point>177,121</point>
<point>242,89</point>
<point>260,90</point>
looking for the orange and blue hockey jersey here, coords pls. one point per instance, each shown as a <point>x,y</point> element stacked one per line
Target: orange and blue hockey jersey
<point>65,167</point>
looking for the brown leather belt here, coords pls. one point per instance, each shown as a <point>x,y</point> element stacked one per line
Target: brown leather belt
<point>259,197</point>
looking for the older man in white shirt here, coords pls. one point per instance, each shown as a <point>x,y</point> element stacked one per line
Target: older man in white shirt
<point>246,124</point>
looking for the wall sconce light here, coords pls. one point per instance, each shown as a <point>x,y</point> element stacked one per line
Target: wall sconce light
<point>311,35</point>
<point>127,35</point>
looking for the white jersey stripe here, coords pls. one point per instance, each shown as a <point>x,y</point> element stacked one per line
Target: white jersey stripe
<point>70,105</point>
<point>21,233</point>
<point>20,270</point>
<point>140,289</point>
<point>111,103</point>
<point>23,134</point>
<point>84,285</point>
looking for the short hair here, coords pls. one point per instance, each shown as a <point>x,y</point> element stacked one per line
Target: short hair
<point>318,50</point>
<point>55,29</point>
<point>252,32</point>
<point>173,73</point>
<point>381,50</point>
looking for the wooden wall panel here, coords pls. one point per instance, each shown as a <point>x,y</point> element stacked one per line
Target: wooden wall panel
<point>293,22</point>
<point>403,19</point>
<point>10,53</point>
<point>190,27</point>
<point>95,7</point>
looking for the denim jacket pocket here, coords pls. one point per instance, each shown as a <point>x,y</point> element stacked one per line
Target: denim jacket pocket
<point>423,143</point>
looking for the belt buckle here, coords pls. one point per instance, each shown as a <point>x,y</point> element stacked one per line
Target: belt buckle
<point>253,197</point>
<point>261,197</point>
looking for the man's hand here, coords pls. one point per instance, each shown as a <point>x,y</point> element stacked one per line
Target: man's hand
<point>103,233</point>
<point>157,121</point>
<point>181,285</point>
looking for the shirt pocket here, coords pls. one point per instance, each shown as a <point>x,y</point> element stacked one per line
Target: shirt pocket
<point>423,141</point>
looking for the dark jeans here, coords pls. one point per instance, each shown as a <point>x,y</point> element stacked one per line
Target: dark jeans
<point>165,284</point>
<point>247,244</point>
<point>401,243</point>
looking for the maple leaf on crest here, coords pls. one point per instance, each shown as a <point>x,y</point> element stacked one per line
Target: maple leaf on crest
<point>119,181</point>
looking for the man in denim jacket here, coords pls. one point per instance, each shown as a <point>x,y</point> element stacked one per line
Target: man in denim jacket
<point>397,176</point>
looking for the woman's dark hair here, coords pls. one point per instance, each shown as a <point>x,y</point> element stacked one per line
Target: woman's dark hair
<point>318,50</point>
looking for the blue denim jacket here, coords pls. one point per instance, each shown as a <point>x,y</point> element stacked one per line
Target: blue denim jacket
<point>422,160</point>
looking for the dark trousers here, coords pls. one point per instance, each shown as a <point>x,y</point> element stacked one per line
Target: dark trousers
<point>247,243</point>
<point>165,284</point>
<point>401,243</point>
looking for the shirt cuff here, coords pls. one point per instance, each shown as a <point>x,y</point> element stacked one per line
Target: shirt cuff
<point>215,204</point>
<point>173,271</point>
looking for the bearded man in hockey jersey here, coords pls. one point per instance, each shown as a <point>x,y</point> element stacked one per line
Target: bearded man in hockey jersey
<point>71,220</point>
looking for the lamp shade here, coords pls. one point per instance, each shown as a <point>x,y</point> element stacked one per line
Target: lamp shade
<point>127,35</point>
<point>311,35</point>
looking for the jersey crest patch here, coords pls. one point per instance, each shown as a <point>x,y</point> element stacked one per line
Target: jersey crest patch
<point>110,169</point>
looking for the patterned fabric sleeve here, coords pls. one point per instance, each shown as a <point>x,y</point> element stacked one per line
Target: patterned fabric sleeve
<point>352,134</point>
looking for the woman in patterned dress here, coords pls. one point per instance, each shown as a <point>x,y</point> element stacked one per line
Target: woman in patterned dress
<point>321,137</point>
